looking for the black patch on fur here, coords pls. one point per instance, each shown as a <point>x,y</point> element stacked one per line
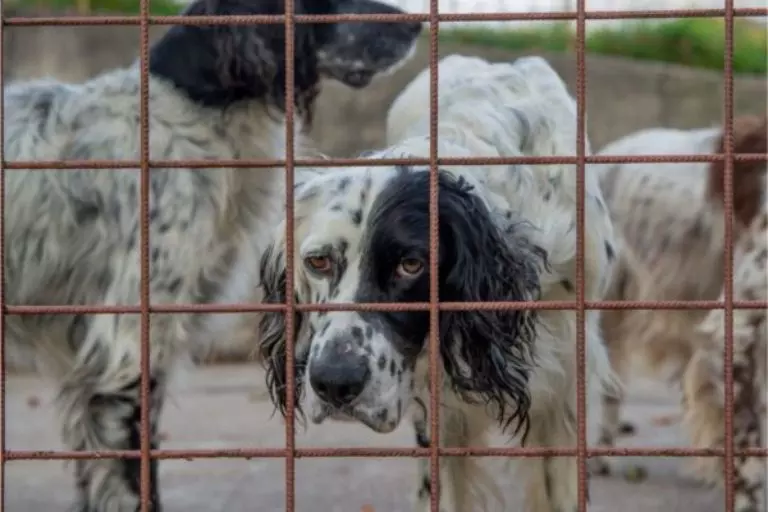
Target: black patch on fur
<point>697,230</point>
<point>339,254</point>
<point>426,487</point>
<point>174,286</point>
<point>477,263</point>
<point>217,65</point>
<point>609,251</point>
<point>343,183</point>
<point>132,467</point>
<point>44,107</point>
<point>422,441</point>
<point>76,332</point>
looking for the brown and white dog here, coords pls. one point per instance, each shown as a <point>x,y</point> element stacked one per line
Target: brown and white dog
<point>671,218</point>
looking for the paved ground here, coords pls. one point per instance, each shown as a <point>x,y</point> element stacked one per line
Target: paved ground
<point>223,407</point>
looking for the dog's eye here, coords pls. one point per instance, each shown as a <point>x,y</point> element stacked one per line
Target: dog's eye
<point>410,267</point>
<point>319,264</point>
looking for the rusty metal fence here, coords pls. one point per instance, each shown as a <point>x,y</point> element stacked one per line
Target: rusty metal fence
<point>290,453</point>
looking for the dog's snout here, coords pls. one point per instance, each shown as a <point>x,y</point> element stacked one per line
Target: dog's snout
<point>339,377</point>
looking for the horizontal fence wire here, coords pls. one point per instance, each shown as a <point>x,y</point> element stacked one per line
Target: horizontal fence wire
<point>386,306</point>
<point>582,452</point>
<point>379,162</point>
<point>379,452</point>
<point>393,18</point>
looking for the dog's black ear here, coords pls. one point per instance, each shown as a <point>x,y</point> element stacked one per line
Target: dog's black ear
<point>487,355</point>
<point>355,52</point>
<point>217,65</point>
<point>272,333</point>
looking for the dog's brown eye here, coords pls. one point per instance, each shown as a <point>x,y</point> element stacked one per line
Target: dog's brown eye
<point>321,264</point>
<point>410,267</point>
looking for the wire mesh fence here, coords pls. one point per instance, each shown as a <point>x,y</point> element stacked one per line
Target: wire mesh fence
<point>577,13</point>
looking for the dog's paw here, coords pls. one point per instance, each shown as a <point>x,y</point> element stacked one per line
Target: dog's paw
<point>703,471</point>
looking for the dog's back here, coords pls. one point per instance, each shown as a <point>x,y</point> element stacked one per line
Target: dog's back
<point>662,209</point>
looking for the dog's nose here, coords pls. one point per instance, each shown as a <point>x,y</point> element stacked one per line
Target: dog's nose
<point>339,378</point>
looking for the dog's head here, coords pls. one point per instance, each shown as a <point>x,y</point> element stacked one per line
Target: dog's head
<point>362,236</point>
<point>750,135</point>
<point>220,64</point>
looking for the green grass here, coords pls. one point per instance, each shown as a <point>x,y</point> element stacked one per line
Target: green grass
<point>695,42</point>
<point>692,42</point>
<point>126,7</point>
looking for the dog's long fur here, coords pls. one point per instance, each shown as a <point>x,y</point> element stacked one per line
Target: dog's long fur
<point>672,219</point>
<point>507,233</point>
<point>215,92</point>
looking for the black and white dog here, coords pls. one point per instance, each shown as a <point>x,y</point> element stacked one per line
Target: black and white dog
<point>506,234</point>
<point>216,93</point>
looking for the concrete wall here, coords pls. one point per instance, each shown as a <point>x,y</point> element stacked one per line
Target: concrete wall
<point>622,95</point>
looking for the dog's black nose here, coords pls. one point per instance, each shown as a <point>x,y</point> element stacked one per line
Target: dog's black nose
<point>339,378</point>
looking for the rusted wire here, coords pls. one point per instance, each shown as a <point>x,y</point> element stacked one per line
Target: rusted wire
<point>582,452</point>
<point>145,481</point>
<point>380,452</point>
<point>379,162</point>
<point>3,457</point>
<point>581,130</point>
<point>551,305</point>
<point>393,18</point>
<point>290,325</point>
<point>434,247</point>
<point>728,256</point>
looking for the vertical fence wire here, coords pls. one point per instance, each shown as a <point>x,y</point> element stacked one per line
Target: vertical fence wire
<point>728,459</point>
<point>434,247</point>
<point>581,105</point>
<point>290,434</point>
<point>144,426</point>
<point>2,264</point>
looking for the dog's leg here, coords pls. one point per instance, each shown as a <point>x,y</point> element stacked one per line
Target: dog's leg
<point>612,399</point>
<point>705,416</point>
<point>703,413</point>
<point>100,402</point>
<point>750,472</point>
<point>553,481</point>
<point>457,474</point>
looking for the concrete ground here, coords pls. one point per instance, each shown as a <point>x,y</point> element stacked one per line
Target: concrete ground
<point>224,407</point>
